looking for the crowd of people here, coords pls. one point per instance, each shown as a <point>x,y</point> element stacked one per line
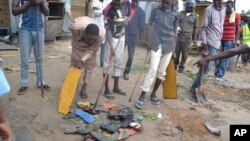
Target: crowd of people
<point>171,33</point>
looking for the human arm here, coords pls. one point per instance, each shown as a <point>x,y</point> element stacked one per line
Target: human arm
<point>225,54</point>
<point>44,6</point>
<point>5,132</point>
<point>237,33</point>
<point>142,21</point>
<point>195,29</point>
<point>17,9</point>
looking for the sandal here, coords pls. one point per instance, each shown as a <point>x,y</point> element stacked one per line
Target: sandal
<point>109,95</point>
<point>45,87</point>
<point>83,95</point>
<point>121,92</point>
<point>139,104</point>
<point>155,100</point>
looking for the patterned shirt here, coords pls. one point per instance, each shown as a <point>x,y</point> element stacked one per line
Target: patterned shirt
<point>164,25</point>
<point>80,48</point>
<point>114,18</point>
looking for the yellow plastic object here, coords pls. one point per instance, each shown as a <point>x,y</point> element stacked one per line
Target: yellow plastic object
<point>169,85</point>
<point>68,90</point>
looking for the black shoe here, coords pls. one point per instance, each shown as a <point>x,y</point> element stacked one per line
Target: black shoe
<point>22,90</point>
<point>181,69</point>
<point>126,76</point>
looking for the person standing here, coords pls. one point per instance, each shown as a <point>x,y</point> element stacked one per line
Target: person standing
<point>67,17</point>
<point>115,15</point>
<point>134,28</point>
<point>31,35</point>
<point>97,8</point>
<point>211,35</point>
<point>245,40</point>
<point>188,23</point>
<point>230,37</point>
<point>164,22</point>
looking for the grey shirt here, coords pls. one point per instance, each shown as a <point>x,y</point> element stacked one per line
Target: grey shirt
<point>212,26</point>
<point>164,25</point>
<point>188,23</point>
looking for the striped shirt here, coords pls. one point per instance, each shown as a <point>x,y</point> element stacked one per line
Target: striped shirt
<point>230,28</point>
<point>212,26</point>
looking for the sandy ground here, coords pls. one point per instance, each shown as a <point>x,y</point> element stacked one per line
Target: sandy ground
<point>228,101</point>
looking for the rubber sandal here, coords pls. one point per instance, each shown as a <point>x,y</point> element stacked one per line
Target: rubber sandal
<point>155,100</point>
<point>139,104</point>
<point>109,96</point>
<point>136,125</point>
<point>121,92</point>
<point>85,116</point>
<point>123,134</point>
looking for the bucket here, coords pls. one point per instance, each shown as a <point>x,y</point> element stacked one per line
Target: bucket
<point>4,85</point>
<point>10,39</point>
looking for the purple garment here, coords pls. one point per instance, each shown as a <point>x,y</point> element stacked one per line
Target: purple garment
<point>212,26</point>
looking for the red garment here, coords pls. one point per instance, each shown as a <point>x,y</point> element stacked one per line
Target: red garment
<point>132,11</point>
<point>230,28</point>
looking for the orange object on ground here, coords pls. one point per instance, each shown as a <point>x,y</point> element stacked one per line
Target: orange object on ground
<point>169,85</point>
<point>68,90</point>
<point>109,105</point>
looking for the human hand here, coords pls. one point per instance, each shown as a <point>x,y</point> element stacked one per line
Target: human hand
<point>205,51</point>
<point>112,52</point>
<point>201,63</point>
<point>5,132</point>
<point>35,2</point>
<point>173,55</point>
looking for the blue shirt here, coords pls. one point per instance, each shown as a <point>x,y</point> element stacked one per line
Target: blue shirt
<point>31,18</point>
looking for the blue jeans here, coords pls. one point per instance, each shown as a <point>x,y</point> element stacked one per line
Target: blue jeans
<point>221,66</point>
<point>102,54</point>
<point>197,81</point>
<point>28,40</point>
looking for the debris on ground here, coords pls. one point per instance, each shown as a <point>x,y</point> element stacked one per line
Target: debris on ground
<point>212,129</point>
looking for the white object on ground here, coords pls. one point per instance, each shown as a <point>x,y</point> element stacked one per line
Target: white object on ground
<point>213,130</point>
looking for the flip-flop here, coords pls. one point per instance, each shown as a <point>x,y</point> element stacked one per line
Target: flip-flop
<point>137,126</point>
<point>85,116</point>
<point>121,92</point>
<point>124,134</point>
<point>109,95</point>
<point>139,104</point>
<point>155,100</point>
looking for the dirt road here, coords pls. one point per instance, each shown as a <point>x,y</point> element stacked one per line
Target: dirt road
<point>228,101</point>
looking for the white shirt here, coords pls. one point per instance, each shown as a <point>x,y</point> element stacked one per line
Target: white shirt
<point>97,14</point>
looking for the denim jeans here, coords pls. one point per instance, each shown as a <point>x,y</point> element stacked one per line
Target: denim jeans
<point>197,82</point>
<point>221,66</point>
<point>28,40</point>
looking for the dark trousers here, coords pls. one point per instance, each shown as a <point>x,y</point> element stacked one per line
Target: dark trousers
<point>131,41</point>
<point>182,47</point>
